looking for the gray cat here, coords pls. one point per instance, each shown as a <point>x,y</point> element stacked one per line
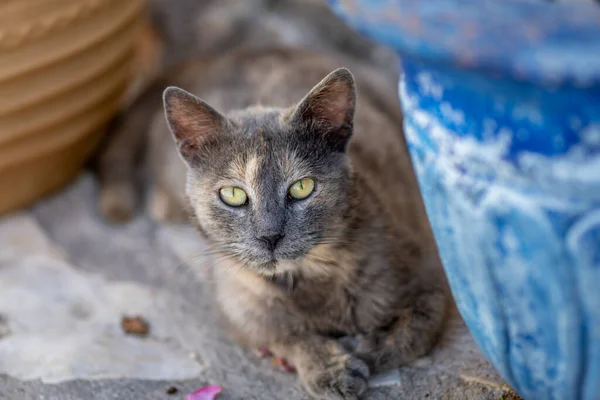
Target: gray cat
<point>309,201</point>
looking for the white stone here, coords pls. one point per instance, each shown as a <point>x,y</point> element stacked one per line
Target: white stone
<point>65,324</point>
<point>389,378</point>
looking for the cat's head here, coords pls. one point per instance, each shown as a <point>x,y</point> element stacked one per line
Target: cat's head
<point>267,185</point>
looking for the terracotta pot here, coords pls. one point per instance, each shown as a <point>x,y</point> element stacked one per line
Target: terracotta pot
<point>64,65</point>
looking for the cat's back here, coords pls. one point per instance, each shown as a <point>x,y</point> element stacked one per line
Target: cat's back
<point>279,77</point>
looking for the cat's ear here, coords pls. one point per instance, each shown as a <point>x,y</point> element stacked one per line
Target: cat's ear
<point>329,108</point>
<point>192,122</point>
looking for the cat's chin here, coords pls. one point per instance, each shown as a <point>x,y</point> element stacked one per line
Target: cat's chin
<point>274,268</point>
<point>268,268</point>
<point>265,268</point>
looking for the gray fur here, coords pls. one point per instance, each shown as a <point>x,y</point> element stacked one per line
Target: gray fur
<point>356,257</point>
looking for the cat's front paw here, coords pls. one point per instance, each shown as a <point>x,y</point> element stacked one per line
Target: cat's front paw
<point>344,377</point>
<point>117,202</point>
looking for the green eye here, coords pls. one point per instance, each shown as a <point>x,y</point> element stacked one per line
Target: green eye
<point>302,188</point>
<point>233,196</point>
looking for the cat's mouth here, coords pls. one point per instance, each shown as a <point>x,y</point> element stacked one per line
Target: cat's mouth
<point>274,267</point>
<point>276,263</point>
<point>269,266</point>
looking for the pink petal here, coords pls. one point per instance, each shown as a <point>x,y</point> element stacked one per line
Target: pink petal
<point>205,393</point>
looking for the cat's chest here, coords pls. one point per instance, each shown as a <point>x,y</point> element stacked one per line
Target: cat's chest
<point>335,306</point>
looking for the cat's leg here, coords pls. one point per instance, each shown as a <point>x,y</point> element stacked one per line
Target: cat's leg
<point>118,161</point>
<point>116,167</point>
<point>411,334</point>
<point>168,173</point>
<point>325,368</point>
<point>259,315</point>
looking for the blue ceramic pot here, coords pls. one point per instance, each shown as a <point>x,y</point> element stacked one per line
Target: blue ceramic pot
<point>502,108</point>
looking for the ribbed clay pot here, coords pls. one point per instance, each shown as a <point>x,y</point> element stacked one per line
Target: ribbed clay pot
<point>64,65</point>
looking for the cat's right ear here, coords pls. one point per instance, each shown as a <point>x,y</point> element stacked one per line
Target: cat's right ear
<point>192,122</point>
<point>329,107</point>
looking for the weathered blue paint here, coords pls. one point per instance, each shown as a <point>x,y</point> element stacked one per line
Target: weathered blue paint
<point>502,116</point>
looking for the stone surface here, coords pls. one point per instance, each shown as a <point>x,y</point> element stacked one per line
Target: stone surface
<point>67,278</point>
<point>65,324</point>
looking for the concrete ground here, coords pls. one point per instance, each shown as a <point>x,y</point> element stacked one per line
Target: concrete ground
<point>67,278</point>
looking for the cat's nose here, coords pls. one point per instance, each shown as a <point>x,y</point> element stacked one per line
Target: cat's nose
<point>271,241</point>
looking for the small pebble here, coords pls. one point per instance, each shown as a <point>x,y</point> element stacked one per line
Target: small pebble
<point>171,390</point>
<point>135,326</point>
<point>387,378</point>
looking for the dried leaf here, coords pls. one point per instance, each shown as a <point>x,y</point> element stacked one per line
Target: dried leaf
<point>135,326</point>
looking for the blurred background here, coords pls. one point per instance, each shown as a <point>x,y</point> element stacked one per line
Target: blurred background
<point>67,67</point>
<point>69,280</point>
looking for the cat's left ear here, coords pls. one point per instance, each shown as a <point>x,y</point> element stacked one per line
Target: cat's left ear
<point>328,108</point>
<point>192,122</point>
